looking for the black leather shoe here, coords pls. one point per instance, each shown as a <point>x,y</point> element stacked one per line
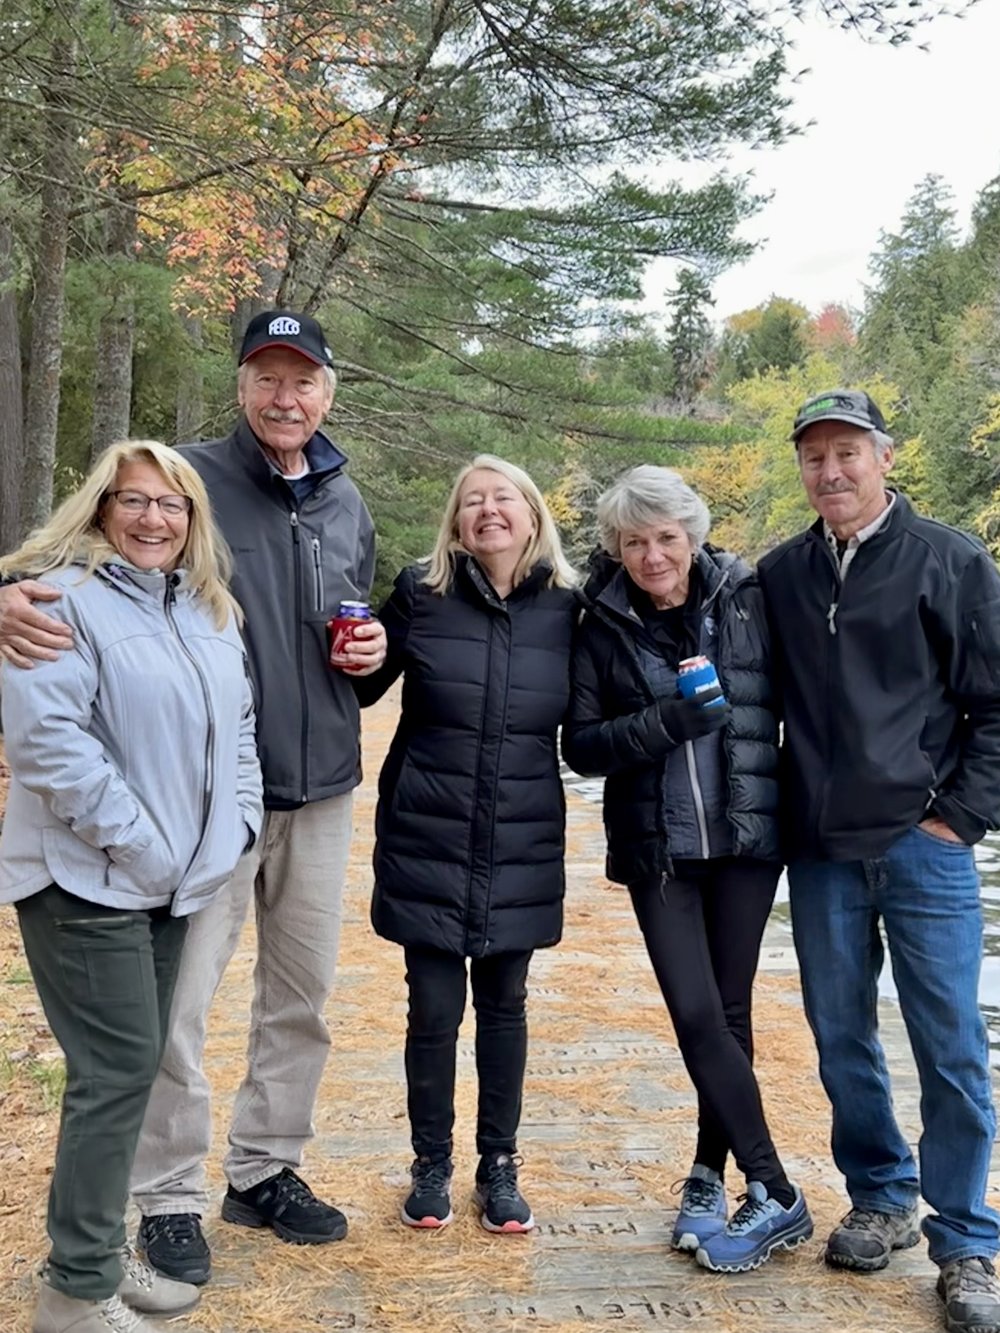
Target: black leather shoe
<point>287,1205</point>
<point>174,1245</point>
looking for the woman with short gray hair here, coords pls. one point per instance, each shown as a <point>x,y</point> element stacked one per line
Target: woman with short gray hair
<point>690,808</point>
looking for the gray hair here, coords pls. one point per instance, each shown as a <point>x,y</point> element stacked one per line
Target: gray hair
<point>880,442</point>
<point>649,494</point>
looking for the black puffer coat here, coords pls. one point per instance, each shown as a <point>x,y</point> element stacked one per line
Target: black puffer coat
<point>471,814</point>
<point>615,728</point>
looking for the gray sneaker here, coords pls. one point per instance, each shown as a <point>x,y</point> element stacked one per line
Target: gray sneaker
<point>150,1292</point>
<point>971,1295</point>
<point>863,1240</point>
<point>56,1313</point>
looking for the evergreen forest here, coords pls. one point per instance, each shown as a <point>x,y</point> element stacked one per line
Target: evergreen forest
<point>467,194</point>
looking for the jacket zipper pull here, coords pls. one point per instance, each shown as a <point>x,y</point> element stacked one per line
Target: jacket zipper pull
<point>293,518</point>
<point>831,618</point>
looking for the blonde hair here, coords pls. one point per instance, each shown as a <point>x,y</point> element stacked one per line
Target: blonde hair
<point>73,535</point>
<point>544,544</point>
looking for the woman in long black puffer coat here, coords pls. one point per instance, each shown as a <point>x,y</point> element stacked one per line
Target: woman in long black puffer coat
<point>471,814</point>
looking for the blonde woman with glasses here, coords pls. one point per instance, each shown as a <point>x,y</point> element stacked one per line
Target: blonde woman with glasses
<point>135,790</point>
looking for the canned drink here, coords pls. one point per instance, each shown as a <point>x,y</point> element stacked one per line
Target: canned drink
<point>695,676</point>
<point>340,629</point>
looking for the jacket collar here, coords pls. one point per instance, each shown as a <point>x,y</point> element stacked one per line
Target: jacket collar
<point>469,572</point>
<point>323,456</point>
<point>900,517</point>
<point>141,583</point>
<point>607,582</point>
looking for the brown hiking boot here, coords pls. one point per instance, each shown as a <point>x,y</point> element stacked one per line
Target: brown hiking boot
<point>863,1240</point>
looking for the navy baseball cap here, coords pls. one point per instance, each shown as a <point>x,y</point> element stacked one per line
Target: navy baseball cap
<point>850,405</point>
<point>285,328</point>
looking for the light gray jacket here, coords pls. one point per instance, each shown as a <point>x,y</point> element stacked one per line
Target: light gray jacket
<point>135,778</point>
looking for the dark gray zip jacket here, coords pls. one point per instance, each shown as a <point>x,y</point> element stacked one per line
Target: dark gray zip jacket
<point>293,564</point>
<point>615,729</point>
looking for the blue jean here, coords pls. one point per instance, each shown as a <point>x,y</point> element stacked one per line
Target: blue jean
<point>926,892</point>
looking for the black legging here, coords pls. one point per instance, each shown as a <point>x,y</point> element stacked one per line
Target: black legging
<point>703,934</point>
<point>437,982</point>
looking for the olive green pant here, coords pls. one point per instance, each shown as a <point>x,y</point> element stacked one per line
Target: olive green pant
<point>105,978</point>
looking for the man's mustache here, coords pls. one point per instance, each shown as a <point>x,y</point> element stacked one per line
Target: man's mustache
<point>835,490</point>
<point>283,418</point>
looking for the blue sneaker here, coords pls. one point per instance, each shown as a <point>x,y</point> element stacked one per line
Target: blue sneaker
<point>757,1228</point>
<point>703,1209</point>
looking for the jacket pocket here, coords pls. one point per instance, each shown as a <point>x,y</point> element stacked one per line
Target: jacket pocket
<point>983,639</point>
<point>73,864</point>
<point>152,868</point>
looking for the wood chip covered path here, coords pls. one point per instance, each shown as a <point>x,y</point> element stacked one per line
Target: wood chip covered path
<point>608,1128</point>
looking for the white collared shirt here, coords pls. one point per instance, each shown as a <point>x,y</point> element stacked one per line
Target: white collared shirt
<point>864,534</point>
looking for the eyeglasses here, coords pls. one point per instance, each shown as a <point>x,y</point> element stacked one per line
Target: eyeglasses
<point>135,503</point>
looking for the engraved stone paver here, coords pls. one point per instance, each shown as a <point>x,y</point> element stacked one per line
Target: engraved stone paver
<point>608,1128</point>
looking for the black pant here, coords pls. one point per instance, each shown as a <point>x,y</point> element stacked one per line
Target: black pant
<point>105,978</point>
<point>703,935</point>
<point>437,982</point>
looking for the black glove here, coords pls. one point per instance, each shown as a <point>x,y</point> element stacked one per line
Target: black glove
<point>687,719</point>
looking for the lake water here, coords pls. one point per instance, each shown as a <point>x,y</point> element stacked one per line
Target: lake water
<point>988,861</point>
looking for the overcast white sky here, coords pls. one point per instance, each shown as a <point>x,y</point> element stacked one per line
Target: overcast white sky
<point>885,118</point>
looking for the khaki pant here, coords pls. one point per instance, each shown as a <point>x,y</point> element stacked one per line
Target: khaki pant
<point>295,874</point>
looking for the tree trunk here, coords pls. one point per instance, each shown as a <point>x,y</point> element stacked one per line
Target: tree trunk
<point>116,335</point>
<point>11,437</point>
<point>243,312</point>
<point>191,386</point>
<point>45,364</point>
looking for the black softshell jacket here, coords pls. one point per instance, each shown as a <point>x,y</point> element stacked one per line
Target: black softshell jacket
<point>471,814</point>
<point>890,684</point>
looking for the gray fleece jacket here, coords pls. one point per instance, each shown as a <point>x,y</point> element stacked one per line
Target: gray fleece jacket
<point>135,778</point>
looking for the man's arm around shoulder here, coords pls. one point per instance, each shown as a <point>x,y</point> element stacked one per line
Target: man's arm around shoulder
<point>27,634</point>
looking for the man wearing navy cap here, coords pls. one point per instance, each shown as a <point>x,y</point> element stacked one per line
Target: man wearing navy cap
<point>886,629</point>
<point>302,541</point>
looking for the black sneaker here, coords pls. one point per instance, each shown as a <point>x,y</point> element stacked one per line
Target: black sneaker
<point>496,1193</point>
<point>864,1239</point>
<point>429,1202</point>
<point>287,1205</point>
<point>174,1245</point>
